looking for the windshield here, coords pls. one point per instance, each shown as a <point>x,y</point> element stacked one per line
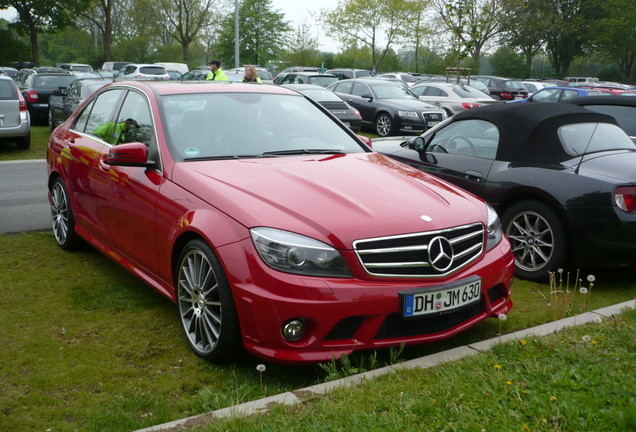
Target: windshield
<point>391,92</point>
<point>321,95</point>
<point>248,125</point>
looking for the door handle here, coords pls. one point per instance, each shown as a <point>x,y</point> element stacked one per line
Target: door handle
<point>474,176</point>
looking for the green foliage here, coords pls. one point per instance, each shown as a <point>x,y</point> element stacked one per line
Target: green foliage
<point>303,48</point>
<point>70,45</point>
<point>13,47</point>
<point>508,63</point>
<point>263,33</point>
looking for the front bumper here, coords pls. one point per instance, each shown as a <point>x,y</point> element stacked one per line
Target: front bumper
<point>359,313</point>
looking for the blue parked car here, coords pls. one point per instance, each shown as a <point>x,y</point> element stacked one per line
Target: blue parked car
<point>561,94</point>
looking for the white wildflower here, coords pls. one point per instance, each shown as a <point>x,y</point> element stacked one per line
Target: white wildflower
<point>598,320</point>
<point>591,278</point>
<point>583,290</point>
<point>502,317</point>
<point>586,338</point>
<point>261,368</point>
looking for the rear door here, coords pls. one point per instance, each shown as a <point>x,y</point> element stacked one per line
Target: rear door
<point>9,104</point>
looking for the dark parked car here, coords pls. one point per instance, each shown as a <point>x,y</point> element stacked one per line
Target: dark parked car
<point>9,71</point>
<point>63,102</point>
<point>15,122</point>
<point>388,108</point>
<point>344,73</point>
<point>332,102</point>
<point>562,177</point>
<point>37,88</point>
<point>273,228</point>
<point>307,78</point>
<point>504,89</point>
<point>561,94</point>
<point>195,75</point>
<point>623,109</point>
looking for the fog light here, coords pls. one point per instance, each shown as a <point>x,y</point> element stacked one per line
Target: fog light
<point>293,330</point>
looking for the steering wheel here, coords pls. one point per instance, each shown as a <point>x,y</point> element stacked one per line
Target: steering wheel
<point>458,139</point>
<point>437,147</point>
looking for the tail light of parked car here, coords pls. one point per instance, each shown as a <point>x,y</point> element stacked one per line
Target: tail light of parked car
<point>625,198</point>
<point>22,102</point>
<point>356,113</point>
<point>470,105</point>
<point>506,95</point>
<point>32,96</point>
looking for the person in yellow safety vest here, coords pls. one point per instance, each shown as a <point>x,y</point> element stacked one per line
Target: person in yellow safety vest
<point>251,75</point>
<point>114,133</point>
<point>216,73</point>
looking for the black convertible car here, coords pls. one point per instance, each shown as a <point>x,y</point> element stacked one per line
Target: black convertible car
<point>562,177</point>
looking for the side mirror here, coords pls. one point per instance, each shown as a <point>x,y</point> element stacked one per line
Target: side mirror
<point>418,144</point>
<point>365,140</point>
<point>366,96</point>
<point>57,92</point>
<point>129,154</point>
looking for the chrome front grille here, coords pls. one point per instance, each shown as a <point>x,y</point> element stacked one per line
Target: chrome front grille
<point>426,254</point>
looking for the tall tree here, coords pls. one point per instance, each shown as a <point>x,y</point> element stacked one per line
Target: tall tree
<point>105,16</point>
<point>263,32</point>
<point>41,16</point>
<point>366,22</point>
<point>417,29</point>
<point>302,48</point>
<point>615,34</point>
<point>472,23</point>
<point>524,25</point>
<point>569,32</point>
<point>185,19</point>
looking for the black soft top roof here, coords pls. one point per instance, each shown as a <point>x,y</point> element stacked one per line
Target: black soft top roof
<point>528,131</point>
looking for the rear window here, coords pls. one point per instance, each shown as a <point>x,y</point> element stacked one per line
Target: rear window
<point>322,80</point>
<point>468,92</point>
<point>52,81</point>
<point>514,85</point>
<point>363,73</point>
<point>152,70</point>
<point>583,138</point>
<point>624,115</point>
<point>8,90</point>
<point>264,75</point>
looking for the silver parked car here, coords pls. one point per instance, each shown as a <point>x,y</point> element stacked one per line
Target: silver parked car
<point>15,122</point>
<point>453,98</point>
<point>143,72</point>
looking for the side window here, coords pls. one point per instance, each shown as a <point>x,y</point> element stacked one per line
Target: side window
<point>99,121</point>
<point>344,87</point>
<point>418,91</point>
<point>289,79</point>
<point>347,74</point>
<point>569,94</point>
<point>360,89</point>
<point>136,121</point>
<point>547,95</point>
<point>73,89</point>
<point>477,138</point>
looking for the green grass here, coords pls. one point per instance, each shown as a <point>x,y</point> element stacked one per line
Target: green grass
<point>581,379</point>
<point>86,346</point>
<point>39,141</point>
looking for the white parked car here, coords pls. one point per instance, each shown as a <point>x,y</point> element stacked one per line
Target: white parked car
<point>534,86</point>
<point>453,98</point>
<point>143,72</point>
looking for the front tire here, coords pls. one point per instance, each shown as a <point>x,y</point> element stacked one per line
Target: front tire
<point>62,218</point>
<point>383,125</point>
<point>537,238</point>
<point>206,306</point>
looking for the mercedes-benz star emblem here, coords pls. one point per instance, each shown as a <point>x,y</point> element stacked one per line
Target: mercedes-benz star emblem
<point>440,254</point>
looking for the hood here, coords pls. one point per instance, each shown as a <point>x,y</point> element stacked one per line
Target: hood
<point>335,199</point>
<point>618,166</point>
<point>410,104</point>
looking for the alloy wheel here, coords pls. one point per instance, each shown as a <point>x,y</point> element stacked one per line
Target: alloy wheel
<point>532,240</point>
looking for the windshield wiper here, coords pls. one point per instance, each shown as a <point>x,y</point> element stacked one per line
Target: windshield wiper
<point>222,157</point>
<point>301,151</point>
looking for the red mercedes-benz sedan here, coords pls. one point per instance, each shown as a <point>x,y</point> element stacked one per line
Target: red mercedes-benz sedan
<point>272,226</point>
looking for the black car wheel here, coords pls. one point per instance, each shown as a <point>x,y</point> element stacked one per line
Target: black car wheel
<point>206,307</point>
<point>23,143</point>
<point>62,218</point>
<point>383,125</point>
<point>537,239</point>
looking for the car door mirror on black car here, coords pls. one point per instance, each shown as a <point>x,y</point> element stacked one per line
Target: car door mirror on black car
<point>366,96</point>
<point>417,144</point>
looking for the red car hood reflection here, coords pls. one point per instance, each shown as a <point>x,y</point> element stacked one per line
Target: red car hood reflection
<point>329,198</point>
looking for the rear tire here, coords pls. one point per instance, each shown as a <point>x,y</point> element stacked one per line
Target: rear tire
<point>62,218</point>
<point>24,142</point>
<point>537,238</point>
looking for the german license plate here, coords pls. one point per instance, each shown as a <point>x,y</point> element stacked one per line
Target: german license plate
<point>443,299</point>
<point>432,123</point>
<point>347,124</point>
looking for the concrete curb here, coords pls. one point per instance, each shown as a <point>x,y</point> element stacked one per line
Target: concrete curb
<point>307,393</point>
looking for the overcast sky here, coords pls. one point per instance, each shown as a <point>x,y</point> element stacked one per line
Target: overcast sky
<point>296,11</point>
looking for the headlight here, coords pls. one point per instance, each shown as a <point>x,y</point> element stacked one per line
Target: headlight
<point>293,253</point>
<point>408,114</point>
<point>495,231</point>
